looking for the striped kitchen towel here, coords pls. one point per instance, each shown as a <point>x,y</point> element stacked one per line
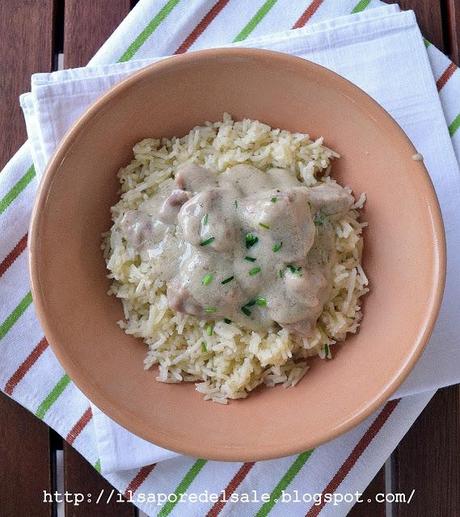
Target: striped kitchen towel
<point>31,374</point>
<point>57,99</point>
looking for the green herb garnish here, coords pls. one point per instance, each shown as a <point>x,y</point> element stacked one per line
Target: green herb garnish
<point>250,259</point>
<point>245,310</point>
<point>210,310</point>
<point>209,329</point>
<point>295,270</point>
<point>277,246</point>
<point>327,351</point>
<point>281,273</point>
<point>264,226</point>
<point>254,270</point>
<point>227,280</point>
<point>204,348</point>
<point>207,279</point>
<point>207,241</point>
<point>319,219</point>
<point>251,239</point>
<point>236,203</point>
<point>205,219</point>
<point>274,199</point>
<point>227,321</point>
<point>260,301</point>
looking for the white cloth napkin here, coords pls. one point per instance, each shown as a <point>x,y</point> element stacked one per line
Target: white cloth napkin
<point>381,51</point>
<point>384,55</point>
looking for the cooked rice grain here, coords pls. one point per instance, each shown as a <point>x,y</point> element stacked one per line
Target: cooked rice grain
<point>228,362</point>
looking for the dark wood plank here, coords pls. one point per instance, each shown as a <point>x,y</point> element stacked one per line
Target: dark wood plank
<point>429,18</point>
<point>26,29</point>
<point>81,477</point>
<point>453,29</point>
<point>25,462</point>
<point>88,24</point>
<point>26,46</point>
<point>372,508</point>
<point>427,460</point>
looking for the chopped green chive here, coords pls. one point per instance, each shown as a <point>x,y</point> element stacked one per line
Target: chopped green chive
<point>207,279</point>
<point>250,259</point>
<point>207,241</point>
<point>227,321</point>
<point>274,199</point>
<point>227,280</point>
<point>281,273</point>
<point>327,351</point>
<point>264,226</point>
<point>254,271</point>
<point>204,348</point>
<point>319,219</point>
<point>295,270</point>
<point>236,203</point>
<point>251,239</point>
<point>205,220</point>
<point>210,310</point>
<point>209,329</point>
<point>277,246</point>
<point>261,301</point>
<point>245,310</point>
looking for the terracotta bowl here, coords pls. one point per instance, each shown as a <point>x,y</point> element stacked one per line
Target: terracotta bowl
<point>404,253</point>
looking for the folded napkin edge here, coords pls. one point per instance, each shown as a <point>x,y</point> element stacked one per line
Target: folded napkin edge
<point>43,78</point>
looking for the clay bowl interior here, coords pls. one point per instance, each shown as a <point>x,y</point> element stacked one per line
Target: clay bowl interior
<point>404,253</point>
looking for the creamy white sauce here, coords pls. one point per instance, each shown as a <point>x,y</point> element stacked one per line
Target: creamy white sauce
<point>254,247</point>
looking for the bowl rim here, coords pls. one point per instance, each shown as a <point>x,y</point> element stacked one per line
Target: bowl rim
<point>116,412</point>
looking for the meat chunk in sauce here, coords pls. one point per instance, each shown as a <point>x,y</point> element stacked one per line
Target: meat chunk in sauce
<point>257,247</point>
<point>170,208</point>
<point>281,217</point>
<point>210,215</point>
<point>330,198</point>
<point>181,300</point>
<point>194,178</point>
<point>140,229</point>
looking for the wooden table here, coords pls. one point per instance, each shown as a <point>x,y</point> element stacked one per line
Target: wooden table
<point>33,33</point>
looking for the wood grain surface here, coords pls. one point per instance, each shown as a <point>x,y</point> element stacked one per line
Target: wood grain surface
<point>87,24</point>
<point>427,460</point>
<point>25,462</point>
<point>452,25</point>
<point>26,46</point>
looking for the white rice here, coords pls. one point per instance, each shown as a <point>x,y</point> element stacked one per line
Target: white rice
<point>232,361</point>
